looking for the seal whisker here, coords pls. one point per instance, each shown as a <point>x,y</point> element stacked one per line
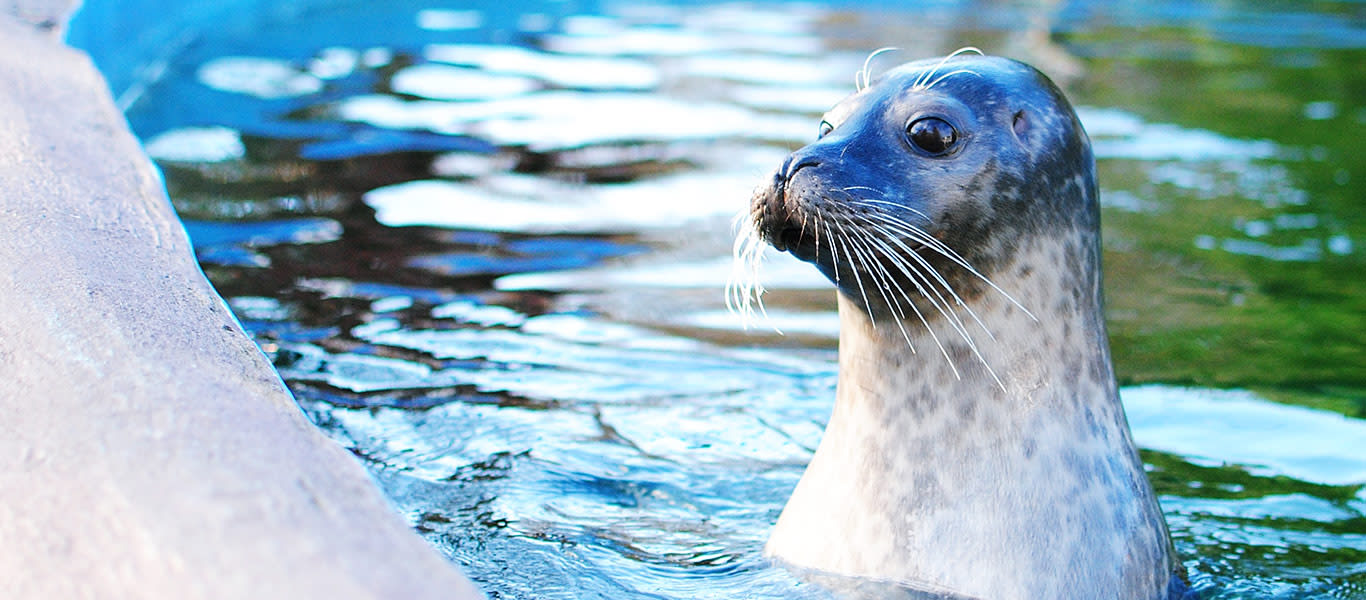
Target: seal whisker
<point>877,203</point>
<point>957,298</point>
<point>885,277</point>
<point>734,283</point>
<point>744,288</point>
<point>931,84</point>
<point>911,230</point>
<point>834,254</point>
<point>927,290</point>
<point>854,266</point>
<point>928,267</point>
<point>920,260</point>
<point>816,227</point>
<point>866,262</point>
<point>863,77</point>
<point>868,242</point>
<point>738,285</point>
<point>919,235</point>
<point>958,327</point>
<point>939,302</point>
<point>949,253</point>
<point>857,187</point>
<point>930,73</point>
<point>868,221</point>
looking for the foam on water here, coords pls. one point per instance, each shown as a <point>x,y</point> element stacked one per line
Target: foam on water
<point>442,82</point>
<point>196,144</point>
<point>265,78</point>
<point>561,70</point>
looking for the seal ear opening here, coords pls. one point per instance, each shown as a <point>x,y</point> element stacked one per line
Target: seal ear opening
<point>1020,124</point>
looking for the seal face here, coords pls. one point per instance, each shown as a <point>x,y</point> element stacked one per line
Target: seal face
<point>953,203</point>
<point>970,156</point>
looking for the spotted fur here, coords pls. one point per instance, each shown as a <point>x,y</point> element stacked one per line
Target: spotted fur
<point>1000,465</point>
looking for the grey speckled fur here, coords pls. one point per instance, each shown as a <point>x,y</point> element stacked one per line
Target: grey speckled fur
<point>1027,489</point>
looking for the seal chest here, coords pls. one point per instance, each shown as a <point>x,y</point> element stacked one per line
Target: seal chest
<point>977,445</point>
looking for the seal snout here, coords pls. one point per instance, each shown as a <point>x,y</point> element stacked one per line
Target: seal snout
<point>778,214</point>
<point>768,205</point>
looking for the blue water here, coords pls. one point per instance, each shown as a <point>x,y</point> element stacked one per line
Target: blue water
<point>485,247</point>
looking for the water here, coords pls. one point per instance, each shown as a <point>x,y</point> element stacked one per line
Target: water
<point>485,247</point>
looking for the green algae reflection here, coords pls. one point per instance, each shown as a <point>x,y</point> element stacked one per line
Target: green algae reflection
<point>1237,260</point>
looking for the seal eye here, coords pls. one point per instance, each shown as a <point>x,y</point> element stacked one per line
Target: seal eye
<point>932,135</point>
<point>825,128</point>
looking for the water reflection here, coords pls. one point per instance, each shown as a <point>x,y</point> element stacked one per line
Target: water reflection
<point>485,247</point>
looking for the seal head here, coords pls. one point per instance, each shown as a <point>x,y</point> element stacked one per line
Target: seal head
<point>975,155</point>
<point>954,205</point>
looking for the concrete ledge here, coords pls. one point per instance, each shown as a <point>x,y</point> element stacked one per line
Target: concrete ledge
<point>147,448</point>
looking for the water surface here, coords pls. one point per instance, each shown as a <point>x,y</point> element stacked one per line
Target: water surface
<point>485,247</point>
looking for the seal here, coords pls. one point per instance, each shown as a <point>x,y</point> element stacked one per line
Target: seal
<point>977,447</point>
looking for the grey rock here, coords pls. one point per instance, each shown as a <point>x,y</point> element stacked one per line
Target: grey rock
<point>147,447</point>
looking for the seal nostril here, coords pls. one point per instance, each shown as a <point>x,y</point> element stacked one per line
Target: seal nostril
<point>796,163</point>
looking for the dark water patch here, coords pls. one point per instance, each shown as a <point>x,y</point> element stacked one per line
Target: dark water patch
<point>528,255</point>
<point>230,244</point>
<point>387,142</point>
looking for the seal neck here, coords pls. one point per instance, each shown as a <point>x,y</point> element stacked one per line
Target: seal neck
<point>1027,488</point>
